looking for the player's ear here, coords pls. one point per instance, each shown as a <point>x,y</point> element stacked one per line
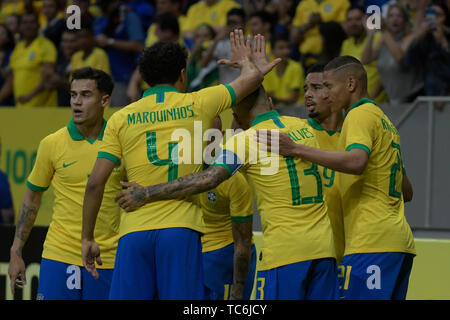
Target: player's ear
<point>106,99</point>
<point>183,78</point>
<point>351,84</point>
<point>270,103</point>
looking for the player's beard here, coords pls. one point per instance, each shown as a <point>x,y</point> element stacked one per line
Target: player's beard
<point>314,114</point>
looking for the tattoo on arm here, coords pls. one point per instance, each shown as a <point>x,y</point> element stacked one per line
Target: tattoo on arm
<point>188,185</point>
<point>26,221</point>
<point>242,234</point>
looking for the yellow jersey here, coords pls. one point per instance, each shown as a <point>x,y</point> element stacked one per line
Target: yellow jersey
<point>159,139</point>
<point>282,86</point>
<point>330,10</point>
<point>26,63</point>
<point>65,159</point>
<point>97,59</point>
<point>288,193</point>
<point>328,140</point>
<point>372,203</point>
<point>215,15</point>
<point>230,202</point>
<point>351,48</point>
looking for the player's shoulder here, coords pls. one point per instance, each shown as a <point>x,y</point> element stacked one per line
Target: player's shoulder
<point>55,139</point>
<point>293,121</point>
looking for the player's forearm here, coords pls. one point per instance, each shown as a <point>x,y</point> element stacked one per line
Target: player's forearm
<point>342,161</point>
<point>187,185</point>
<point>248,81</point>
<point>91,205</point>
<point>242,256</point>
<point>27,216</point>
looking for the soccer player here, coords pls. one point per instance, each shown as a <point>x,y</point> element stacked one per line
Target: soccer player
<point>229,256</point>
<point>327,129</point>
<point>165,236</point>
<point>379,245</point>
<point>65,159</point>
<point>297,259</point>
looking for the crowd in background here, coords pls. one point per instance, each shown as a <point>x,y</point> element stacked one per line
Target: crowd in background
<point>407,57</point>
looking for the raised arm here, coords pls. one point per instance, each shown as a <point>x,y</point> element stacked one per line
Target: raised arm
<point>27,216</point>
<point>136,196</point>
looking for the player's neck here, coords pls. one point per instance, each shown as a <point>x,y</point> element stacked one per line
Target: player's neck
<point>333,122</point>
<point>91,130</point>
<point>356,97</point>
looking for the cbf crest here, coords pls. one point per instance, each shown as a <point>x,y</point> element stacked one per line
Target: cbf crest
<point>212,197</point>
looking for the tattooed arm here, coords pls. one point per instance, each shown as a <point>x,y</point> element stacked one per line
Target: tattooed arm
<point>242,235</point>
<point>136,196</point>
<point>27,215</point>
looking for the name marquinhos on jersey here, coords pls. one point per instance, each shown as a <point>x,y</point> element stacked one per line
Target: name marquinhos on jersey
<point>164,115</point>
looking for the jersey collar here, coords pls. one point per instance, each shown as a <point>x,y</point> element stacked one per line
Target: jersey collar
<point>265,116</point>
<point>316,125</point>
<point>76,135</point>
<point>159,89</point>
<point>361,102</point>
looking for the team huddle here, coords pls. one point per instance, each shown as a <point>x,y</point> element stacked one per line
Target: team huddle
<point>332,214</point>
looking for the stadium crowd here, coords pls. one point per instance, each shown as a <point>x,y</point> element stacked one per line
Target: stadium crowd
<point>408,56</point>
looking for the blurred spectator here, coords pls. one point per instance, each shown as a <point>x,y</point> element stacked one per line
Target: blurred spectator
<point>119,31</point>
<point>11,7</point>
<point>430,49</point>
<point>164,6</point>
<point>260,22</point>
<point>55,25</point>
<point>6,48</point>
<point>354,46</point>
<point>6,203</point>
<point>87,54</point>
<point>86,16</point>
<point>305,26</point>
<point>60,79</point>
<point>285,12</point>
<point>402,84</point>
<point>211,12</point>
<point>220,48</point>
<point>12,23</point>
<point>144,10</point>
<point>284,84</point>
<point>199,77</point>
<point>32,62</point>
<point>333,35</point>
<point>166,29</point>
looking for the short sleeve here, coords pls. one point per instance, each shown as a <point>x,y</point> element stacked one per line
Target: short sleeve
<point>359,130</point>
<point>214,100</point>
<point>298,18</point>
<point>342,13</point>
<point>111,148</point>
<point>41,176</point>
<point>241,201</point>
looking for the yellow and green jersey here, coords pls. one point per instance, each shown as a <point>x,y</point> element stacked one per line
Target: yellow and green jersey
<point>65,160</point>
<point>97,59</point>
<point>288,193</point>
<point>26,63</point>
<point>159,139</point>
<point>230,202</point>
<point>372,203</point>
<point>281,87</point>
<point>328,140</point>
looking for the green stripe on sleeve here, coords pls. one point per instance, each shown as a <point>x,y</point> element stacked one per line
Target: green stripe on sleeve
<point>242,219</point>
<point>232,94</point>
<point>109,156</point>
<point>223,165</point>
<point>358,146</point>
<point>36,188</point>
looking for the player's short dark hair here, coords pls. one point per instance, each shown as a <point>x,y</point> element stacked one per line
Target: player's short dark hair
<point>236,12</point>
<point>284,36</point>
<point>340,62</point>
<point>351,66</point>
<point>105,83</point>
<point>315,68</point>
<point>162,63</point>
<point>168,21</point>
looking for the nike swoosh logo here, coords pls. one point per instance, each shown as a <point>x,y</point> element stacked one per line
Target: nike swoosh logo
<point>65,165</point>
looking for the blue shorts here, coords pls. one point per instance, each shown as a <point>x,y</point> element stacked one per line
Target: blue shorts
<point>218,266</point>
<point>161,264</point>
<point>306,280</point>
<point>63,281</point>
<point>375,276</point>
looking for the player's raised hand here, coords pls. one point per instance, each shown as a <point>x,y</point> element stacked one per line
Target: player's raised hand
<point>259,56</point>
<point>131,198</point>
<point>240,50</point>
<point>90,253</point>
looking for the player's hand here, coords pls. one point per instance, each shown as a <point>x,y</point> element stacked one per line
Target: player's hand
<point>278,142</point>
<point>133,197</point>
<point>90,253</point>
<point>240,50</point>
<point>259,56</point>
<point>16,271</point>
